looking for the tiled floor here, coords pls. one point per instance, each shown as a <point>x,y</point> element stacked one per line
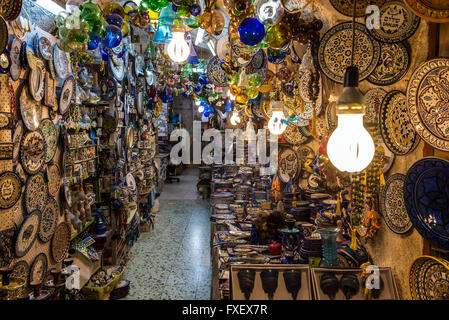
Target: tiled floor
<point>173,261</point>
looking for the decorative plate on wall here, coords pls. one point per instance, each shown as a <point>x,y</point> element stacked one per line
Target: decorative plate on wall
<point>396,128</point>
<point>258,64</point>
<point>61,61</point>
<point>294,136</point>
<point>16,68</point>
<point>108,89</point>
<point>28,233</point>
<point>49,220</point>
<point>60,244</point>
<point>289,165</point>
<point>38,268</point>
<point>428,278</point>
<point>10,189</point>
<point>66,95</point>
<point>346,6</point>
<point>397,23</point>
<point>393,64</point>
<point>6,247</point>
<point>33,151</point>
<point>10,9</point>
<point>30,109</point>
<point>36,81</point>
<point>392,205</point>
<point>51,134</point>
<point>5,62</point>
<point>50,91</point>
<point>334,53</point>
<point>430,10</point>
<point>17,138</point>
<point>36,193</point>
<point>427,101</point>
<point>373,101</point>
<point>21,270</point>
<point>427,199</point>
<point>44,47</point>
<point>3,35</point>
<point>54,180</point>
<point>216,74</point>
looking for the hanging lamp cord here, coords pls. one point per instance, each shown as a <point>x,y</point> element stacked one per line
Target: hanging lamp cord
<point>353,31</point>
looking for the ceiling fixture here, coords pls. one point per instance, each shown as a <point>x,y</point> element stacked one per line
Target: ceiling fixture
<point>178,49</point>
<point>276,124</point>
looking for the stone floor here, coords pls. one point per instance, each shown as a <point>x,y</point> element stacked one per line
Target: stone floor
<point>172,262</point>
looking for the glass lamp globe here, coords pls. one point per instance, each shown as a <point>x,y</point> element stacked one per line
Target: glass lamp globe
<point>276,125</point>
<point>178,49</point>
<point>350,147</point>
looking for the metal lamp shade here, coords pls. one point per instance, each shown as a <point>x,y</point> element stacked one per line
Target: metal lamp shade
<point>163,34</point>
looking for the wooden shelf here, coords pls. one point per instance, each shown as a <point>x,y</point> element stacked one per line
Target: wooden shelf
<point>76,234</point>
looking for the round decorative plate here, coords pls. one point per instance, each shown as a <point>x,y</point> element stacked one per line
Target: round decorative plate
<point>66,95</point>
<point>16,67</point>
<point>335,51</point>
<point>289,165</point>
<point>108,89</point>
<point>30,109</point>
<point>21,270</point>
<point>396,128</point>
<point>373,101</point>
<point>60,244</point>
<point>38,268</point>
<point>50,132</point>
<point>36,80</point>
<point>388,156</point>
<point>3,35</point>
<point>44,47</point>
<point>258,64</point>
<point>427,102</point>
<point>17,138</point>
<point>345,7</point>
<point>10,189</point>
<point>27,233</point>
<point>117,67</point>
<point>426,197</point>
<point>392,206</point>
<point>5,61</point>
<point>428,278</point>
<point>36,193</point>
<point>49,220</point>
<point>54,180</point>
<point>61,61</point>
<point>393,64</point>
<point>430,10</point>
<point>215,73</point>
<point>33,151</point>
<point>10,9</point>
<point>397,23</point>
<point>294,136</point>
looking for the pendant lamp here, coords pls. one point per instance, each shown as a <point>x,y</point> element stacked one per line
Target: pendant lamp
<point>163,34</point>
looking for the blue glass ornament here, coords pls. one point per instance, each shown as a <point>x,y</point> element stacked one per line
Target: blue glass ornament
<point>251,31</point>
<point>228,105</point>
<point>206,114</point>
<point>170,98</point>
<point>195,10</point>
<point>185,95</point>
<point>276,56</point>
<point>104,54</point>
<point>115,20</point>
<point>198,89</point>
<point>113,36</point>
<point>210,110</point>
<point>203,79</point>
<point>93,42</point>
<point>174,7</point>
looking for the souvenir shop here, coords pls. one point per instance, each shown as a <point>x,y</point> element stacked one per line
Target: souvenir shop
<point>347,99</point>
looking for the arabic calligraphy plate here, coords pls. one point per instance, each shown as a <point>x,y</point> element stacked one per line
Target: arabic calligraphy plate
<point>60,244</point>
<point>428,102</point>
<point>49,220</point>
<point>334,53</point>
<point>50,132</point>
<point>10,189</point>
<point>289,165</point>
<point>61,62</point>
<point>33,151</point>
<point>36,193</point>
<point>16,67</point>
<point>396,128</point>
<point>38,269</point>
<point>215,73</point>
<point>27,233</point>
<point>428,278</point>
<point>431,10</point>
<point>66,95</point>
<point>30,109</point>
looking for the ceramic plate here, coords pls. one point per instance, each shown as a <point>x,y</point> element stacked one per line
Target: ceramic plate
<point>3,35</point>
<point>397,23</point>
<point>17,138</point>
<point>50,132</point>
<point>345,7</point>
<point>10,9</point>
<point>50,91</point>
<point>217,76</point>
<point>38,269</point>
<point>60,244</point>
<point>5,62</point>
<point>429,278</point>
<point>44,47</point>
<point>49,220</point>
<point>36,193</point>
<point>18,169</point>
<point>30,109</point>
<point>396,128</point>
<point>61,62</point>
<point>373,101</point>
<point>36,80</point>
<point>28,233</point>
<point>289,165</point>
<point>7,247</point>
<point>392,205</point>
<point>139,65</point>
<point>21,270</point>
<point>393,64</point>
<point>66,95</point>
<point>108,89</point>
<point>16,67</point>
<point>430,10</point>
<point>427,199</point>
<point>33,151</point>
<point>54,180</point>
<point>335,51</point>
<point>294,136</point>
<point>117,67</point>
<point>258,64</point>
<point>427,102</point>
<point>10,189</point>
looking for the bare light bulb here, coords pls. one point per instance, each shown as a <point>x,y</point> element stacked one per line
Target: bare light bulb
<point>178,49</point>
<point>235,119</point>
<point>276,124</point>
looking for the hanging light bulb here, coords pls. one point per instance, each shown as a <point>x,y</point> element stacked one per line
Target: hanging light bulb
<point>276,125</point>
<point>235,119</point>
<point>350,147</point>
<point>178,49</point>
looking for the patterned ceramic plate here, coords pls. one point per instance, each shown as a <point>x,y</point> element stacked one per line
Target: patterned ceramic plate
<point>28,233</point>
<point>36,193</point>
<point>373,101</point>
<point>54,180</point>
<point>392,205</point>
<point>10,189</point>
<point>49,220</point>
<point>60,244</point>
<point>33,151</point>
<point>30,109</point>
<point>397,23</point>
<point>17,138</point>
<point>427,199</point>
<point>430,10</point>
<point>44,47</point>
<point>393,64</point>
<point>334,53</point>
<point>36,81</point>
<point>429,278</point>
<point>289,165</point>
<point>10,9</point>
<point>294,135</point>
<point>7,247</point>
<point>108,89</point>
<point>346,6</point>
<point>38,269</point>
<point>396,128</point>
<point>331,116</point>
<point>21,270</point>
<point>3,35</point>
<point>16,67</point>
<point>117,67</point>
<point>67,91</point>
<point>258,64</point>
<point>5,61</point>
<point>216,74</point>
<point>50,132</point>
<point>61,61</point>
<point>428,100</point>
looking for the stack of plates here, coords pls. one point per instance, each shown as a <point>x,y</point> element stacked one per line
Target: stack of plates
<point>311,247</point>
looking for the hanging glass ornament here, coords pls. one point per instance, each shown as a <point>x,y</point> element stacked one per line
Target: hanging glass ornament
<point>113,36</point>
<point>195,10</point>
<point>269,11</point>
<point>251,31</point>
<point>217,23</point>
<point>255,80</point>
<point>278,36</point>
<point>90,11</point>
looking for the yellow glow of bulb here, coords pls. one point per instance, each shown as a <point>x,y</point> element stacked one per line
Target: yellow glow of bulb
<point>276,124</point>
<point>178,49</point>
<point>235,119</point>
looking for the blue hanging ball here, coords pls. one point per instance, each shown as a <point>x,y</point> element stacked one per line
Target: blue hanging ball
<point>206,114</point>
<point>228,105</point>
<point>203,103</point>
<point>195,10</point>
<point>113,36</point>
<point>93,42</point>
<point>251,31</point>
<point>210,110</point>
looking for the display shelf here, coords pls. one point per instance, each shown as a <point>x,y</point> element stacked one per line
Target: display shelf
<point>87,225</point>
